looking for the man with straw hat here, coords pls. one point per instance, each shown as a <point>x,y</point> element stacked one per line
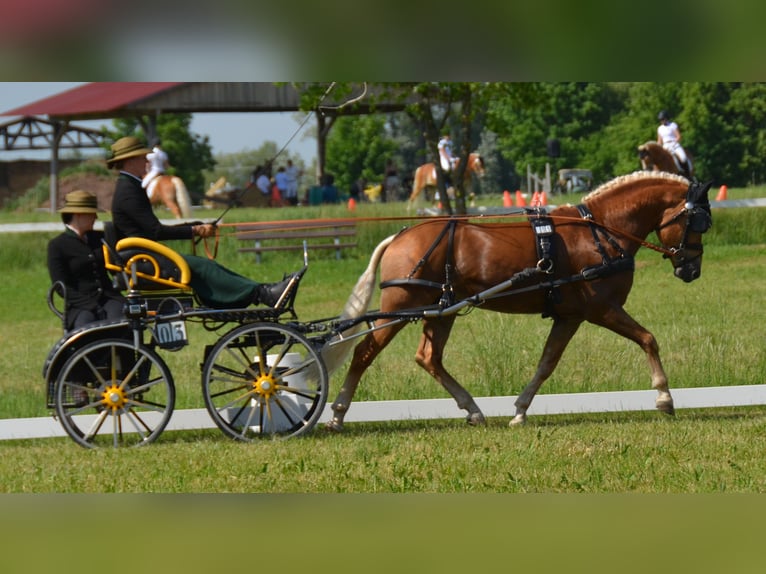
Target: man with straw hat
<point>133,216</point>
<point>75,258</point>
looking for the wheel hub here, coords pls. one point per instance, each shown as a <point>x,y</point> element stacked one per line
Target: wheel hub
<point>113,397</point>
<point>265,386</point>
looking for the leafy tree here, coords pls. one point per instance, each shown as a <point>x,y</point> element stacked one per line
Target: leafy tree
<point>599,127</point>
<point>358,147</point>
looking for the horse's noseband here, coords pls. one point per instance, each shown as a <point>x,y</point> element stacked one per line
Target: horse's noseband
<point>698,220</point>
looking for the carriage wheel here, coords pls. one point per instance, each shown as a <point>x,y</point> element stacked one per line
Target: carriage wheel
<point>264,380</point>
<point>110,394</point>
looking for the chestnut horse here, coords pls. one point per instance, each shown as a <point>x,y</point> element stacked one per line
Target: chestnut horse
<point>169,190</point>
<point>654,157</point>
<point>425,176</point>
<point>575,264</point>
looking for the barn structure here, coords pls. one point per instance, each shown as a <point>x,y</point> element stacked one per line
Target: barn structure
<point>48,123</point>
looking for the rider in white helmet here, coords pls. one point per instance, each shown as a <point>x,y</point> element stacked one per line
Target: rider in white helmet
<point>669,137</point>
<point>158,164</point>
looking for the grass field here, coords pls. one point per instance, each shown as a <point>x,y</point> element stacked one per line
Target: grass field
<point>710,334</point>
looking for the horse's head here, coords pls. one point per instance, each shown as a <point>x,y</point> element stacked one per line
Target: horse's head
<point>681,235</point>
<point>645,156</point>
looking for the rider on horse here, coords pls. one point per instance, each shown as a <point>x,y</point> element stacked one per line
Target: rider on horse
<point>158,163</point>
<point>446,158</point>
<point>669,137</point>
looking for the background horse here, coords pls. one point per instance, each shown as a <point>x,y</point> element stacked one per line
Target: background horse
<point>169,190</point>
<point>425,176</point>
<point>654,157</point>
<point>584,274</point>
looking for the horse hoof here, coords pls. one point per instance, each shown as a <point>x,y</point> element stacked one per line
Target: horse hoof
<point>476,419</point>
<point>518,420</point>
<point>334,426</point>
<point>666,407</point>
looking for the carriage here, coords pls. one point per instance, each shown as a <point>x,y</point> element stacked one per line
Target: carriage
<point>267,374</point>
<point>109,384</point>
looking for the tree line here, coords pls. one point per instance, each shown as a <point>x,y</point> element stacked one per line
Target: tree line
<point>597,126</point>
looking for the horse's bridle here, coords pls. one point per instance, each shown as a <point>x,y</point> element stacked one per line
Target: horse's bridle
<point>698,220</point>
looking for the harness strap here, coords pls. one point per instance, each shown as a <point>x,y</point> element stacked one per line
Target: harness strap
<point>448,295</point>
<point>595,230</point>
<point>542,225</point>
<point>411,281</point>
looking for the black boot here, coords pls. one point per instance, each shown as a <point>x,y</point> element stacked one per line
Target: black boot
<point>269,294</point>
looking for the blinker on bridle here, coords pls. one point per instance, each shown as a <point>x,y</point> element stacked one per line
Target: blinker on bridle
<point>698,220</point>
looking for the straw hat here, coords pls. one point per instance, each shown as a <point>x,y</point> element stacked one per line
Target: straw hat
<point>126,147</point>
<point>80,201</point>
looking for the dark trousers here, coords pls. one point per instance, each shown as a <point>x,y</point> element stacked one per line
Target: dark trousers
<point>218,287</point>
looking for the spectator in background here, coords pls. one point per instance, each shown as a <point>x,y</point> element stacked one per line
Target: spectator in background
<point>329,191</point>
<point>280,182</point>
<point>390,182</point>
<point>292,175</point>
<point>357,189</point>
<point>262,179</point>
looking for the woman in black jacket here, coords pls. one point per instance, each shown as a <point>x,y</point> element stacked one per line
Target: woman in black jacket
<point>75,258</point>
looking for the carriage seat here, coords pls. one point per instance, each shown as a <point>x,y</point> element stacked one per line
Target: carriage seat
<point>147,265</point>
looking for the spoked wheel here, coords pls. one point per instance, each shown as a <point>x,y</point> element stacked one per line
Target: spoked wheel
<point>110,394</point>
<point>264,380</point>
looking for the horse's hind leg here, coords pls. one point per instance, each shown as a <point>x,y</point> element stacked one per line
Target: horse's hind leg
<point>429,356</point>
<point>364,354</point>
<point>561,333</point>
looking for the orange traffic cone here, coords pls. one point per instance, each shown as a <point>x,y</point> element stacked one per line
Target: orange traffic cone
<point>535,199</point>
<point>722,194</point>
<point>351,204</point>
<point>520,199</point>
<point>507,201</point>
<point>543,198</point>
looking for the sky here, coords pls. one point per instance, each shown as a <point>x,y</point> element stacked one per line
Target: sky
<point>228,132</point>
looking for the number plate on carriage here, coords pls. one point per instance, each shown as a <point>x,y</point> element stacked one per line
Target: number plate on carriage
<point>170,335</point>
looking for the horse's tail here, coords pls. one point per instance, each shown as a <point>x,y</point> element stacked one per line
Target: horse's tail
<point>334,353</point>
<point>182,197</point>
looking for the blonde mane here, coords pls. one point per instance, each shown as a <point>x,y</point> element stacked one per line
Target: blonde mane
<point>635,176</point>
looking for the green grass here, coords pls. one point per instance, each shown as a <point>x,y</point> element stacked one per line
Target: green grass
<point>709,333</point>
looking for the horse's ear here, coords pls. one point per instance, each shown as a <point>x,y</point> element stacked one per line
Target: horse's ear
<point>698,190</point>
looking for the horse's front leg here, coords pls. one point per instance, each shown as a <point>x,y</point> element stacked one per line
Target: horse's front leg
<point>620,322</point>
<point>561,333</point>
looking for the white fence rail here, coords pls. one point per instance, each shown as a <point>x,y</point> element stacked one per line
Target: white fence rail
<point>570,403</point>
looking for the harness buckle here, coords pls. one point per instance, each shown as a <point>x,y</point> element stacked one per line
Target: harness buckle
<point>545,266</point>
